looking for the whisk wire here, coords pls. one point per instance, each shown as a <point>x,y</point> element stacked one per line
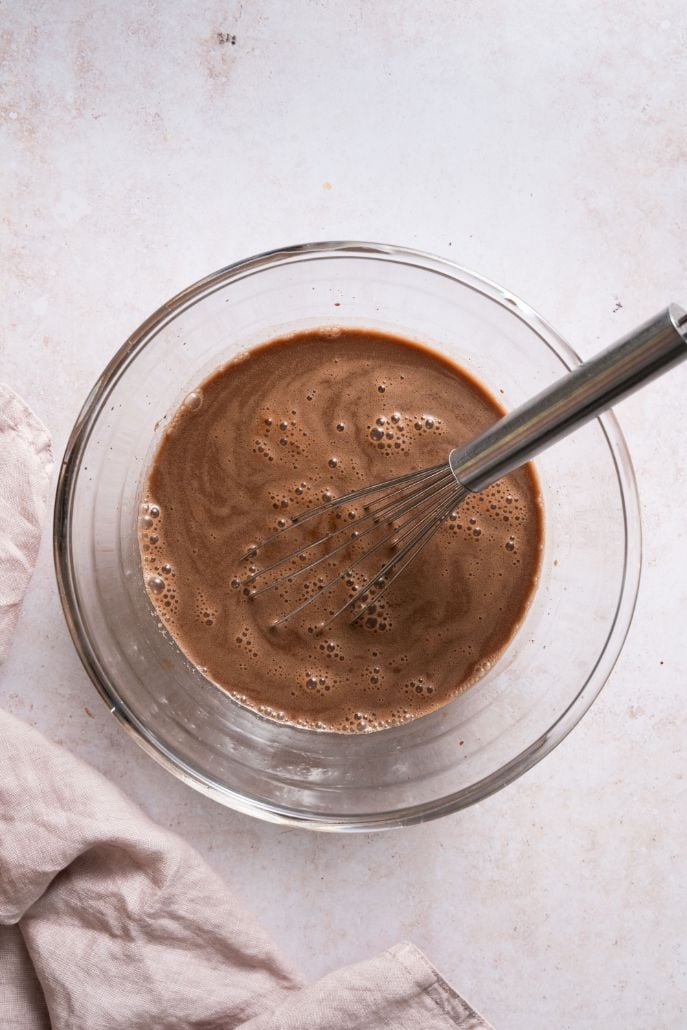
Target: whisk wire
<point>349,498</point>
<point>412,518</point>
<point>423,532</point>
<point>383,514</point>
<point>419,543</point>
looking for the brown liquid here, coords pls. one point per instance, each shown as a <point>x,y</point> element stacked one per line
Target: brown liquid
<point>278,430</point>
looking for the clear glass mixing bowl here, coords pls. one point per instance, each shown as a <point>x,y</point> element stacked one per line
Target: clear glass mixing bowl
<point>524,706</point>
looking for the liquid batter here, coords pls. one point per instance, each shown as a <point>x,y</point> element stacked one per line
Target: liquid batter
<point>297,421</point>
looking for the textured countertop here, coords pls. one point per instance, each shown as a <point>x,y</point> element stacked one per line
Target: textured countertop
<point>545,146</point>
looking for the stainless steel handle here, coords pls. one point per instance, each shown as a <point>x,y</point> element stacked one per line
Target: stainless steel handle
<point>574,399</point>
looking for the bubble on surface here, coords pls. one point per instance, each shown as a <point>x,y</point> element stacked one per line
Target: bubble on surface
<point>193,401</point>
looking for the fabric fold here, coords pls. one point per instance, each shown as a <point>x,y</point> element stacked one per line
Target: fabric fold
<point>25,467</point>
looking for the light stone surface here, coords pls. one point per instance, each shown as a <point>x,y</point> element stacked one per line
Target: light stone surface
<point>543,145</point>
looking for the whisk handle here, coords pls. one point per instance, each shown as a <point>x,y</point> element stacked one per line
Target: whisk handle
<point>576,398</point>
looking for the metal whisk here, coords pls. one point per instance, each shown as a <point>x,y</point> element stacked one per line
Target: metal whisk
<point>401,515</point>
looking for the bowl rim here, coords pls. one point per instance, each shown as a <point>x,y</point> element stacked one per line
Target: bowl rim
<point>104,683</point>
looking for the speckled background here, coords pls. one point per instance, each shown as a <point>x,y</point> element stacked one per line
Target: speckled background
<point>544,145</point>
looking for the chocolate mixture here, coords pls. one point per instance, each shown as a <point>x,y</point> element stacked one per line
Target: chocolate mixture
<point>286,426</point>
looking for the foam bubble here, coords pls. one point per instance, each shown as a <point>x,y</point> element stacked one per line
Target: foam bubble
<point>193,401</point>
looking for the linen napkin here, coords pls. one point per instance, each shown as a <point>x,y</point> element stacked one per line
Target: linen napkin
<point>25,466</point>
<point>108,921</point>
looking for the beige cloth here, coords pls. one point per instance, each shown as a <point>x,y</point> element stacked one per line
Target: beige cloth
<point>106,920</point>
<point>25,466</point>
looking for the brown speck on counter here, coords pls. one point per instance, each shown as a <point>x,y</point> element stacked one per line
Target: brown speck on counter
<point>226,37</point>
<point>89,713</point>
<point>326,185</point>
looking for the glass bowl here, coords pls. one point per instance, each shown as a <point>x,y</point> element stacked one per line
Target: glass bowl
<point>483,739</point>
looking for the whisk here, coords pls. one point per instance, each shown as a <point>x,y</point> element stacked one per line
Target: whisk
<point>402,514</point>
